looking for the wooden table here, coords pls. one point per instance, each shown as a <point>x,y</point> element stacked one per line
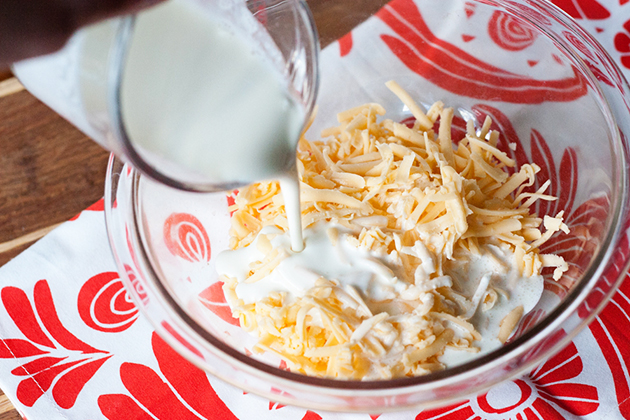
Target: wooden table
<point>49,171</point>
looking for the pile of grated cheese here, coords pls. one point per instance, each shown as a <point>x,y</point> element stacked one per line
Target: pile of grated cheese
<point>413,197</point>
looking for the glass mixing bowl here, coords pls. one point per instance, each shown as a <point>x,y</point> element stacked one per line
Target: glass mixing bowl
<point>550,89</point>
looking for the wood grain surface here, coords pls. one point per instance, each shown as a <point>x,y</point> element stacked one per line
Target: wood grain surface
<point>50,171</point>
<point>335,18</point>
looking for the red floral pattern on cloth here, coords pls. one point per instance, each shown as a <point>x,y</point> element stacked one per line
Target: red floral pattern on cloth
<point>310,415</point>
<point>622,44</point>
<point>583,9</point>
<point>548,392</point>
<point>611,330</point>
<point>178,391</point>
<point>455,70</point>
<point>51,356</point>
<point>44,361</point>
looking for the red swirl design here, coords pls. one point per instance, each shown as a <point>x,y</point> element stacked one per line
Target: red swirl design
<point>510,33</point>
<point>186,237</point>
<point>104,304</point>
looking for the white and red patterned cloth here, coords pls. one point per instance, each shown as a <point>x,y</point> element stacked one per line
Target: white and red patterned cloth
<point>74,346</point>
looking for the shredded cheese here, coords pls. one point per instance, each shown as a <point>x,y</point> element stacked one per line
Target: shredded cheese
<point>411,195</point>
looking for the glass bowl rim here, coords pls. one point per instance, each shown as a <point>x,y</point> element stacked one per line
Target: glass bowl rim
<point>507,352</point>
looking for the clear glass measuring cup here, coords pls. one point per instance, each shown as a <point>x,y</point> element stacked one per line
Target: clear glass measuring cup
<point>127,81</point>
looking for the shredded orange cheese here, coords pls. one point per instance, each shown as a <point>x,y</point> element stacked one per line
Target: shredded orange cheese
<point>414,196</point>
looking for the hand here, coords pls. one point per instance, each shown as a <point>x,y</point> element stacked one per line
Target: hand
<point>34,27</point>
